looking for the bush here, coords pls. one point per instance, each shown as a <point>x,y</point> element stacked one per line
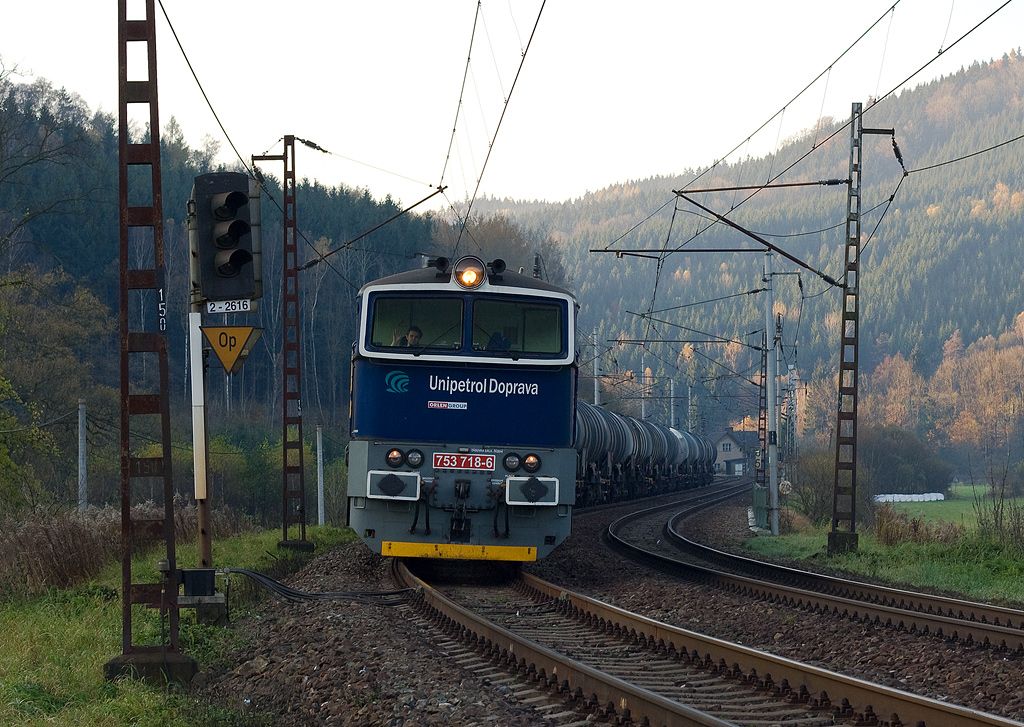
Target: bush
<point>900,462</point>
<point>793,521</point>
<point>1000,519</point>
<point>1016,480</point>
<point>813,479</point>
<point>893,527</point>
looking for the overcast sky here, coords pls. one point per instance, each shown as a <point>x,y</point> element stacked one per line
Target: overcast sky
<point>609,90</point>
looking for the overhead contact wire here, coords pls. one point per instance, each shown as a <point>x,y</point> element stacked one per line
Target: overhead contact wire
<point>868,108</point>
<point>462,92</point>
<point>504,110</point>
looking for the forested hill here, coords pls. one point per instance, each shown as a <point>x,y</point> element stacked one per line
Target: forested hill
<point>947,255</point>
<point>59,246</point>
<point>59,265</point>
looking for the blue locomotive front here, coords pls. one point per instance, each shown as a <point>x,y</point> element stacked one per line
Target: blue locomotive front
<point>462,417</point>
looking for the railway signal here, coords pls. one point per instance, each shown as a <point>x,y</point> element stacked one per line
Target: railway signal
<point>222,246</point>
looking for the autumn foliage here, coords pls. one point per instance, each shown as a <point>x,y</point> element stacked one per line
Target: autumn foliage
<point>971,406</point>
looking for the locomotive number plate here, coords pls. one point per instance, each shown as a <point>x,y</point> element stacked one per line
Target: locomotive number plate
<point>459,461</point>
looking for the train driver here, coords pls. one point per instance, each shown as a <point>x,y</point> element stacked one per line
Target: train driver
<point>411,338</point>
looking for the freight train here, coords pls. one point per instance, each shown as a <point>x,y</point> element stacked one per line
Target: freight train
<point>466,439</point>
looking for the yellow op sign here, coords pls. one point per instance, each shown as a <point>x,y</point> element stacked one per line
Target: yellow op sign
<point>232,343</point>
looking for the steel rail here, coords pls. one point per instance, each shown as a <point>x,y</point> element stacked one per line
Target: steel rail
<point>984,613</point>
<point>704,496</point>
<point>916,612</point>
<point>683,497</point>
<point>857,699</point>
<point>910,619</point>
<point>570,677</point>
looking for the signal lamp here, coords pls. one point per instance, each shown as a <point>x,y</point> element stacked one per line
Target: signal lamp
<point>394,458</point>
<point>531,463</point>
<point>470,272</point>
<point>221,237</point>
<point>414,457</point>
<point>512,461</point>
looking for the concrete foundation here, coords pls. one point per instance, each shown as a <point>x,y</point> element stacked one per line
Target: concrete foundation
<point>305,545</point>
<point>212,614</point>
<point>159,668</point>
<point>840,542</point>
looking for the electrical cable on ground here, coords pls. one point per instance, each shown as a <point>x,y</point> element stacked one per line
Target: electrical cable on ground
<point>372,598</point>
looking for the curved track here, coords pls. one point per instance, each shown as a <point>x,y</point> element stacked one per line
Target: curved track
<point>916,612</point>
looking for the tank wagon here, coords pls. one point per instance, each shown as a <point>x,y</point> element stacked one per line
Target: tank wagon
<point>466,439</point>
<point>622,458</point>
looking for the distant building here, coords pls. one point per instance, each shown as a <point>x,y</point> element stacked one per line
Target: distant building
<point>734,452</point>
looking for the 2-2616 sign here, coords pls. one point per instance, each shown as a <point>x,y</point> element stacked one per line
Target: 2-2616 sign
<point>229,306</point>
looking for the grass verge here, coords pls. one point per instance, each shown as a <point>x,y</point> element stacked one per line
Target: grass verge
<point>55,645</point>
<point>979,570</point>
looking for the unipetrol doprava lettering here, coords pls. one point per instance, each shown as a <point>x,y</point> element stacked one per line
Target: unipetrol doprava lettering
<point>451,385</point>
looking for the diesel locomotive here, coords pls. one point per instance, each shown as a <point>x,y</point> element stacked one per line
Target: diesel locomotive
<point>466,440</point>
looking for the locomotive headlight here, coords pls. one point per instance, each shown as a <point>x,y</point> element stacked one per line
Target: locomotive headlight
<point>512,461</point>
<point>531,463</point>
<point>414,457</point>
<point>470,272</point>
<point>394,458</point>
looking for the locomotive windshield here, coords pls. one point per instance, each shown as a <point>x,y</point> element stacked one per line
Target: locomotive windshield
<point>529,327</point>
<point>470,326</point>
<point>417,322</point>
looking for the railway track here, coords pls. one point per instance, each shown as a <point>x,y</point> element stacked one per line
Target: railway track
<point>723,490</point>
<point>622,665</point>
<point>945,617</point>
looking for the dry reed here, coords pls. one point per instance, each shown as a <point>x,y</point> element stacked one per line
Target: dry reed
<point>893,526</point>
<point>59,549</point>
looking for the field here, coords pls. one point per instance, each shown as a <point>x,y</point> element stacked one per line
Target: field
<point>959,506</point>
<point>55,645</point>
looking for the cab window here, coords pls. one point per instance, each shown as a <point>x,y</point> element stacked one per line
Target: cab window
<point>417,322</point>
<point>527,327</point>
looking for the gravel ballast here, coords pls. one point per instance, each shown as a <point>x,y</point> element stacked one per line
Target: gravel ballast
<point>358,664</point>
<point>340,663</point>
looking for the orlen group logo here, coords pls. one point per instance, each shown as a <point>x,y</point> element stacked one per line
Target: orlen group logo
<point>397,382</point>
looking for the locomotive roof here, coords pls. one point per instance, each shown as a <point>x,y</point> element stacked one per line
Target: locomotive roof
<point>506,279</point>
